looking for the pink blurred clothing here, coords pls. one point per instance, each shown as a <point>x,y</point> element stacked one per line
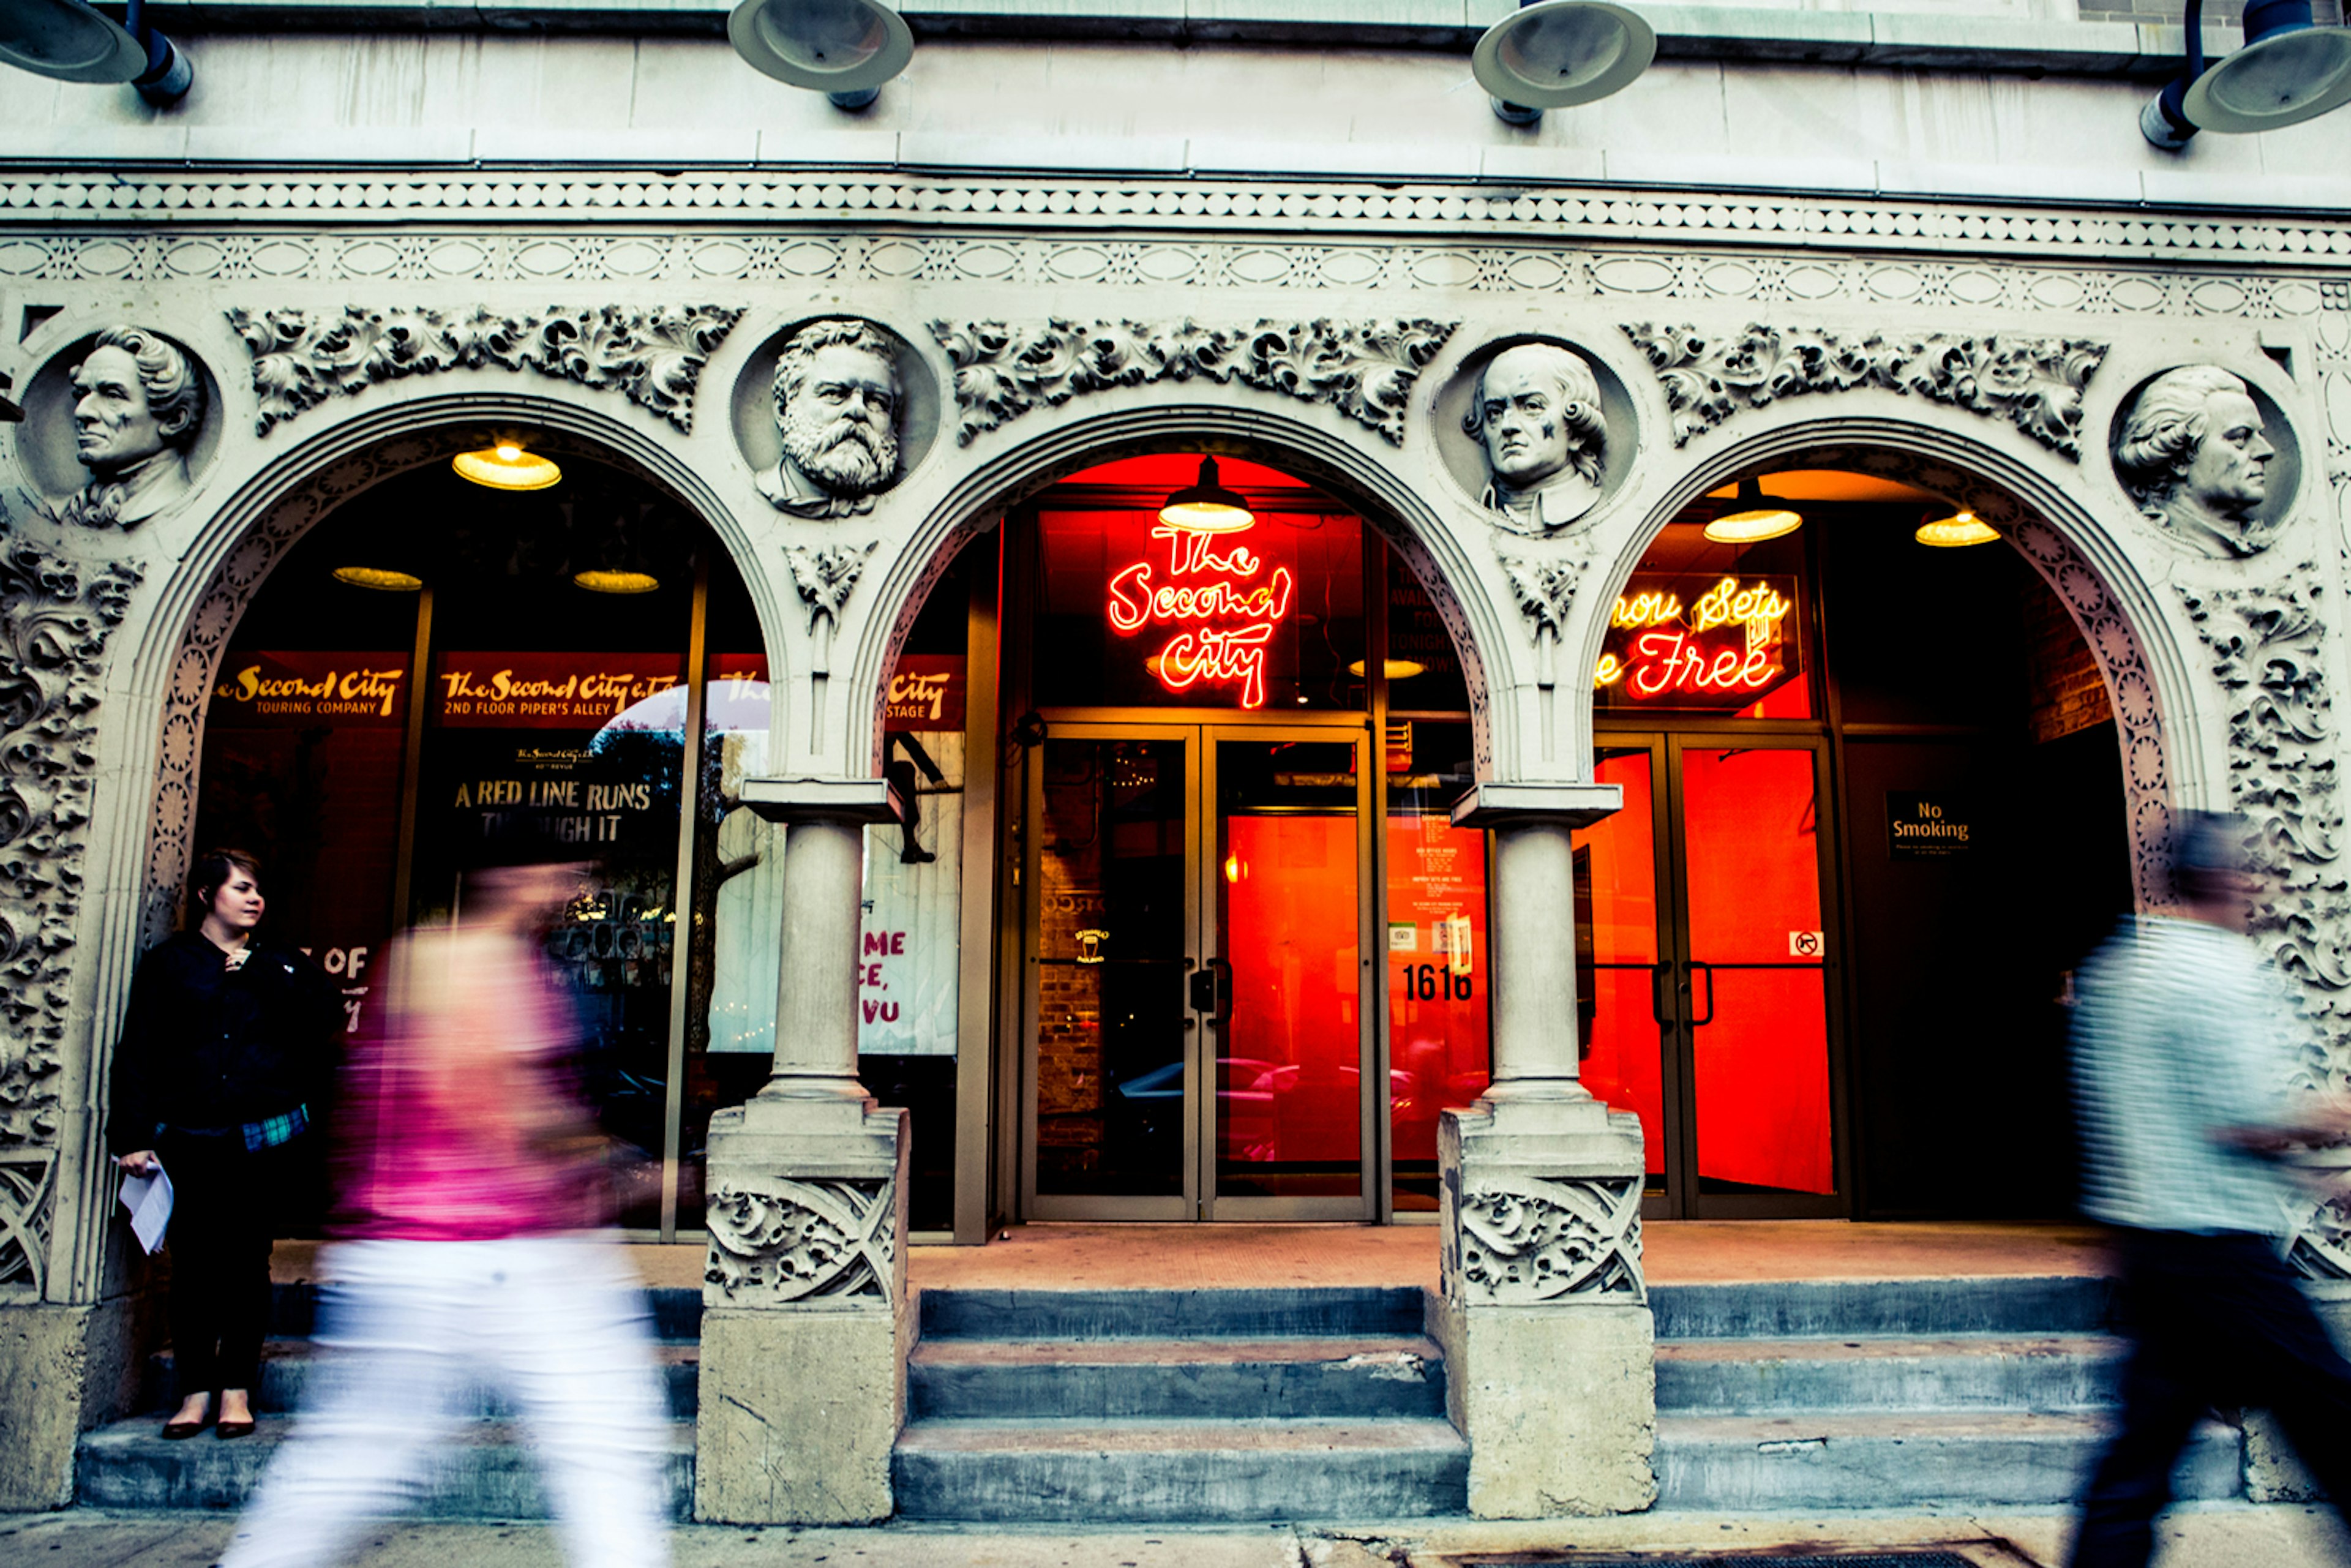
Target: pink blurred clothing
<point>421,1157</point>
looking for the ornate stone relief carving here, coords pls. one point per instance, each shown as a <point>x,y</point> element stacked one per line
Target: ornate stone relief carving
<point>2266,645</point>
<point>1365,369</point>
<point>1544,589</point>
<point>2034,383</point>
<point>1525,1240</point>
<point>55,616</point>
<point>137,408</point>
<point>654,357</point>
<point>802,1240</point>
<point>2194,454</point>
<point>826,577</point>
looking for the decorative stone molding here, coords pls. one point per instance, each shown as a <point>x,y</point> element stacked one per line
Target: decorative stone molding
<point>390,202</point>
<point>2194,451</point>
<point>2265,643</point>
<point>2034,383</point>
<point>654,357</point>
<point>1365,369</point>
<point>802,1240</point>
<point>1544,589</point>
<point>55,616</point>
<point>826,578</point>
<point>1525,1240</point>
<point>25,1210</point>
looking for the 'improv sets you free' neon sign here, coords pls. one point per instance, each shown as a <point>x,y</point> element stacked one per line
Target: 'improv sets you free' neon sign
<point>1725,647</point>
<point>1221,607</point>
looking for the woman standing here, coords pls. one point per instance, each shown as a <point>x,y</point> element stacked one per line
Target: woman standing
<point>223,1059</point>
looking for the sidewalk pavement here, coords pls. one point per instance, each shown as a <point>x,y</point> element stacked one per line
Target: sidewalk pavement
<point>2214,1536</point>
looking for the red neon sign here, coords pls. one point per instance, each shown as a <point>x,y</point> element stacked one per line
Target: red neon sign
<point>1225,617</point>
<point>1726,647</point>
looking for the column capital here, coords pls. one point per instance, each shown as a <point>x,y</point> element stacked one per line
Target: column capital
<point>824,799</point>
<point>1498,805</point>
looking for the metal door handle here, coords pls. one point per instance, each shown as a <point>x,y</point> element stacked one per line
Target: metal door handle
<point>1212,990</point>
<point>1697,967</point>
<point>1659,975</point>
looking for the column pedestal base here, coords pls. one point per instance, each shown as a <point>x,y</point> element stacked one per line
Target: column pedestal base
<point>805,1328</point>
<point>1549,1346</point>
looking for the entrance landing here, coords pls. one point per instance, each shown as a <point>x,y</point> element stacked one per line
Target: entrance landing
<point>1215,1257</point>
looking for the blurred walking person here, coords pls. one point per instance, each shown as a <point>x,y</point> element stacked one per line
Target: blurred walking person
<point>2184,1045</point>
<point>466,1254</point>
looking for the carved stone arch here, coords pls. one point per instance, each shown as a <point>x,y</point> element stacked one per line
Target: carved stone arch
<point>206,595</point>
<point>145,807</point>
<point>1408,522</point>
<point>2085,563</point>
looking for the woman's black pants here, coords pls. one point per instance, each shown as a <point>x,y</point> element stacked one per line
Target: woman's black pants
<point>225,1202</point>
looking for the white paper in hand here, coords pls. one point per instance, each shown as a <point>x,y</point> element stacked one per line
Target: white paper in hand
<point>149,1199</point>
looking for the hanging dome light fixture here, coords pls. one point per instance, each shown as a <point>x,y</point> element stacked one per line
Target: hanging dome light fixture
<point>1759,517</point>
<point>1957,531</point>
<point>382,579</point>
<point>1207,507</point>
<point>507,465</point>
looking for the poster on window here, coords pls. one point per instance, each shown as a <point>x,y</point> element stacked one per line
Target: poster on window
<point>910,949</point>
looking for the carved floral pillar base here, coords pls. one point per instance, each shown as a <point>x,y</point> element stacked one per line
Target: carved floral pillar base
<point>805,1330</point>
<point>1549,1346</point>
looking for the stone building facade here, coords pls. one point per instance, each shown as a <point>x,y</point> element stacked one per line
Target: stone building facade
<point>1929,250</point>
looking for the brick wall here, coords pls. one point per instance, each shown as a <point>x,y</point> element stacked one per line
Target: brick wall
<point>2327,13</point>
<point>2064,691</point>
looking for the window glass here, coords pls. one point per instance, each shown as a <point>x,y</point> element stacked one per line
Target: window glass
<point>1709,628</point>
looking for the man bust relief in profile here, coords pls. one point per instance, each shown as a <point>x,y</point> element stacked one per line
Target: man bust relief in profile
<point>837,403</point>
<point>2194,456</point>
<point>1537,413</point>
<point>139,402</point>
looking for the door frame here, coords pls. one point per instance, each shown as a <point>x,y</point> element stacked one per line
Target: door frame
<point>1200,731</point>
<point>1678,1043</point>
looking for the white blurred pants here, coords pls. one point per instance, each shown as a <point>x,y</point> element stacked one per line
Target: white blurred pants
<point>414,1330</point>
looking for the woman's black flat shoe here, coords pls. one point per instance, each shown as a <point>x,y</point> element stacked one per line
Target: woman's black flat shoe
<point>180,1432</point>
<point>228,1429</point>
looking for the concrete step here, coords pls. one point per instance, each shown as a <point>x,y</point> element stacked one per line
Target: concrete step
<point>677,1311</point>
<point>290,1367</point>
<point>1169,1379</point>
<point>1906,1458</point>
<point>1852,1307</point>
<point>1202,1472</point>
<point>1982,1372</point>
<point>1251,1313</point>
<point>485,1473</point>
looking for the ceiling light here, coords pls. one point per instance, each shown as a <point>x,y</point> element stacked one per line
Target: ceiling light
<point>65,40</point>
<point>380,579</point>
<point>617,581</point>
<point>506,466</point>
<point>1555,54</point>
<point>2288,71</point>
<point>1759,517</point>
<point>844,48</point>
<point>1394,669</point>
<point>1958,529</point>
<point>1207,507</point>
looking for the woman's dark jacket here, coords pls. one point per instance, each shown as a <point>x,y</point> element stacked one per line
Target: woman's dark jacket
<point>203,1049</point>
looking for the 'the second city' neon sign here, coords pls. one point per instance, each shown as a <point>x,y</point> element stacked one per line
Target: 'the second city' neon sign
<point>1224,614</point>
<point>1729,644</point>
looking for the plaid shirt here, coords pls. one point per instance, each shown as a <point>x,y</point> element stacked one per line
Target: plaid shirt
<point>2181,1030</point>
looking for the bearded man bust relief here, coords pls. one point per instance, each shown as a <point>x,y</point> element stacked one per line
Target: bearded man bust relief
<point>837,403</point>
<point>1537,413</point>
<point>2194,455</point>
<point>139,403</point>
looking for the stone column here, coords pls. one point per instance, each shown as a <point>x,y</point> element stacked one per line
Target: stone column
<point>1550,1350</point>
<point>805,1328</point>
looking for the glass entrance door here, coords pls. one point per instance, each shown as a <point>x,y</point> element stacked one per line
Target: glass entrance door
<point>1198,976</point>
<point>1707,958</point>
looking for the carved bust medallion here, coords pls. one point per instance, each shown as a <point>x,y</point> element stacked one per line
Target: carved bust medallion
<point>837,406</point>
<point>137,402</point>
<point>2195,454</point>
